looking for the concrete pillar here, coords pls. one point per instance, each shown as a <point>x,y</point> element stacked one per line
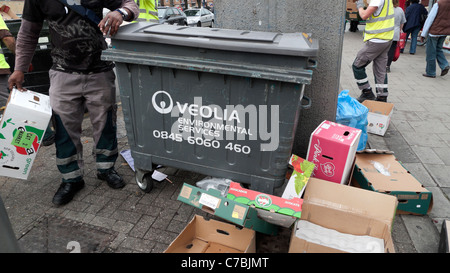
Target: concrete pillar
<point>325,20</point>
<point>8,241</point>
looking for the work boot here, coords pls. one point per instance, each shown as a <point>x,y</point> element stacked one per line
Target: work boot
<point>66,192</point>
<point>366,94</point>
<point>49,140</point>
<point>112,178</point>
<point>381,98</point>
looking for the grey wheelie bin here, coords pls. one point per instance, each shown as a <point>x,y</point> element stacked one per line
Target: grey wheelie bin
<point>218,102</point>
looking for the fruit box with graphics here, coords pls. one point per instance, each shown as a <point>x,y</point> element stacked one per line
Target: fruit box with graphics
<point>379,116</point>
<point>300,175</point>
<point>23,125</point>
<point>282,212</point>
<point>332,148</point>
<point>214,203</point>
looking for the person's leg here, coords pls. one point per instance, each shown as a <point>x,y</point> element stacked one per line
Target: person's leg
<point>379,71</point>
<point>431,56</point>
<point>67,106</point>
<point>100,95</point>
<point>391,54</point>
<point>413,46</point>
<point>440,56</point>
<point>363,58</point>
<point>406,40</point>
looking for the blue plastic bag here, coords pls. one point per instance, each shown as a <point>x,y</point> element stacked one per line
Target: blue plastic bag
<point>352,113</point>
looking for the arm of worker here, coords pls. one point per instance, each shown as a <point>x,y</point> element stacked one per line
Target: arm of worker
<point>8,40</point>
<point>430,19</point>
<point>366,13</point>
<point>27,39</point>
<point>113,19</point>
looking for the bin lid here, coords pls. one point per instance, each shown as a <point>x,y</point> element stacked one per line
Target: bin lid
<point>294,44</point>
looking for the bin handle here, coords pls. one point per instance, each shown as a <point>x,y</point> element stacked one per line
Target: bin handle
<point>312,64</point>
<point>308,105</point>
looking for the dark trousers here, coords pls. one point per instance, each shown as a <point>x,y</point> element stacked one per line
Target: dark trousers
<point>391,53</point>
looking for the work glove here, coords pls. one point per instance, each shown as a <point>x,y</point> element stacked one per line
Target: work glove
<point>360,4</point>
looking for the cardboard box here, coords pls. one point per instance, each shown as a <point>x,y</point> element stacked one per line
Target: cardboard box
<point>444,243</point>
<point>211,236</point>
<point>23,125</point>
<point>282,212</point>
<point>379,116</point>
<point>299,177</point>
<point>214,203</point>
<point>345,209</point>
<point>351,6</point>
<point>332,148</point>
<point>385,174</point>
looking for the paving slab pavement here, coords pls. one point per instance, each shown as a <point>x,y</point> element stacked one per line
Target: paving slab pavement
<point>104,220</point>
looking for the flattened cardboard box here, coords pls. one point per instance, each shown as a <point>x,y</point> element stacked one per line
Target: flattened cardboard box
<point>211,236</point>
<point>345,209</point>
<point>214,203</point>
<point>23,126</point>
<point>385,174</point>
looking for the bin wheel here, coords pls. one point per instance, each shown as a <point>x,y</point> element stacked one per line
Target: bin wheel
<point>146,185</point>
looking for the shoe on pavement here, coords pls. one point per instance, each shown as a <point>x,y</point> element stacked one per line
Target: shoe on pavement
<point>445,71</point>
<point>112,178</point>
<point>49,141</point>
<point>428,76</point>
<point>366,94</point>
<point>381,98</point>
<point>66,192</point>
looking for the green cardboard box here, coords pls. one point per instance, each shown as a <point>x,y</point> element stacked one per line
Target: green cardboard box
<point>384,173</point>
<point>214,203</point>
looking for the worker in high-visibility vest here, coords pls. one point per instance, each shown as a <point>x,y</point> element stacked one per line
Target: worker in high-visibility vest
<point>148,10</point>
<point>10,42</point>
<point>378,36</point>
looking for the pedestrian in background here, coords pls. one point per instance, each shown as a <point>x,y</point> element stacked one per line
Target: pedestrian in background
<point>414,14</point>
<point>436,29</point>
<point>378,35</point>
<point>400,19</point>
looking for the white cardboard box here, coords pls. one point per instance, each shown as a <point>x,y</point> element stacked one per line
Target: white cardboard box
<point>23,126</point>
<point>379,116</point>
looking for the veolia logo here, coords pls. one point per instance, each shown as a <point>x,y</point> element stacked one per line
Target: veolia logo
<point>162,107</point>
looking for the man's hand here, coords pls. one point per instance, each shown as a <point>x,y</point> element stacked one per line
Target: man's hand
<point>111,23</point>
<point>360,4</point>
<point>15,80</point>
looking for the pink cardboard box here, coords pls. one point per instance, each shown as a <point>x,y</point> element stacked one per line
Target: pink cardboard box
<point>332,148</point>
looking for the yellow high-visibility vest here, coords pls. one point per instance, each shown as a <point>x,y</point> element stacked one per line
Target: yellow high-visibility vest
<point>147,10</point>
<point>3,63</point>
<point>381,26</point>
